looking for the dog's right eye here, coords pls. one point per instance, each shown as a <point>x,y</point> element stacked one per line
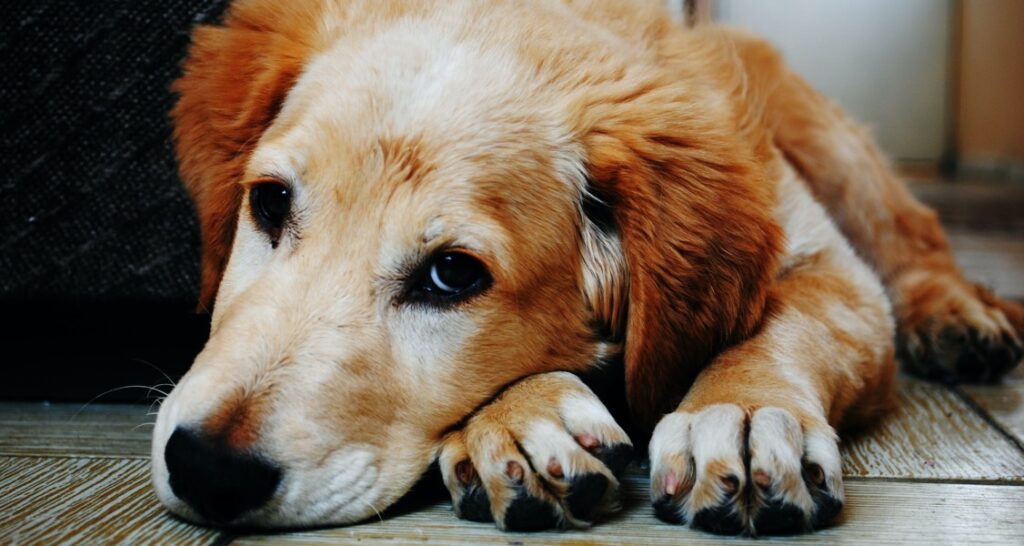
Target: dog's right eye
<point>448,278</point>
<point>270,203</point>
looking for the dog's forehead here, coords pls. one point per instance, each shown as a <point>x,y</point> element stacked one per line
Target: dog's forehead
<point>416,94</point>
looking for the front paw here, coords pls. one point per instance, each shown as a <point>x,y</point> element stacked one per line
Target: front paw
<point>950,330</point>
<point>545,454</point>
<point>720,471</point>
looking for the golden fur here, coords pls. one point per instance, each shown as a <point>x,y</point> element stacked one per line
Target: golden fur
<point>405,126</point>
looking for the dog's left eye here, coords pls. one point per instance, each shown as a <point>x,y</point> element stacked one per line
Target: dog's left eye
<point>450,277</point>
<point>271,202</point>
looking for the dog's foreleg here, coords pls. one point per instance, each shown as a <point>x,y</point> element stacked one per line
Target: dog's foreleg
<point>948,327</point>
<point>752,446</point>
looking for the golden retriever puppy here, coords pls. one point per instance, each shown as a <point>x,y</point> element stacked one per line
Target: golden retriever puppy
<point>425,222</point>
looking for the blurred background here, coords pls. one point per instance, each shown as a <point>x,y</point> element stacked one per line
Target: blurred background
<point>939,81</point>
<point>99,247</point>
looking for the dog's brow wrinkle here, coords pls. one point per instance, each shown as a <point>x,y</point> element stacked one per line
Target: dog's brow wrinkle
<point>403,159</point>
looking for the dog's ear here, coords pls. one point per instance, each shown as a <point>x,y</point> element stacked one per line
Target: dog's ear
<point>689,211</point>
<point>235,79</point>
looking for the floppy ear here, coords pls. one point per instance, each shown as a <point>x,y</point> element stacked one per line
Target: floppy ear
<point>693,213</point>
<point>235,78</point>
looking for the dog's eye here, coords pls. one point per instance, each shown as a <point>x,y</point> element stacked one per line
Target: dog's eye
<point>270,203</point>
<point>450,277</point>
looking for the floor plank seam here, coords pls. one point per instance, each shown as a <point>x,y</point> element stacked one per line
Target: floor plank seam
<point>1003,482</point>
<point>1017,481</point>
<point>988,418</point>
<point>74,456</point>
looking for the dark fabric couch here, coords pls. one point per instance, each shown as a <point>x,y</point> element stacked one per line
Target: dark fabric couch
<point>99,246</point>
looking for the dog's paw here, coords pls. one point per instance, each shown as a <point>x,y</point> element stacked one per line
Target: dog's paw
<point>950,330</point>
<point>719,471</point>
<point>546,453</point>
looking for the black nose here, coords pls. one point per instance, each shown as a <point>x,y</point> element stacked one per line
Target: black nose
<point>219,482</point>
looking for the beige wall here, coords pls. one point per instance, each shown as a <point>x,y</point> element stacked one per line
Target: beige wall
<point>886,61</point>
<point>991,102</point>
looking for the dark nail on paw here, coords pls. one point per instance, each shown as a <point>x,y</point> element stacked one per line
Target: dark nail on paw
<point>527,513</point>
<point>585,495</point>
<point>779,518</point>
<point>475,506</point>
<point>828,507</point>
<point>667,510</point>
<point>615,457</point>
<point>970,369</point>
<point>721,520</point>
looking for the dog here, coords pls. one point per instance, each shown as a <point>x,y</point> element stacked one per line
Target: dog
<point>429,226</point>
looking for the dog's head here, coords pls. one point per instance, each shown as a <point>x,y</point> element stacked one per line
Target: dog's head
<point>403,217</point>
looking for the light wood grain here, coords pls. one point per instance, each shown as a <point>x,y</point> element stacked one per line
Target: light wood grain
<point>86,501</point>
<point>932,434</point>
<point>75,430</point>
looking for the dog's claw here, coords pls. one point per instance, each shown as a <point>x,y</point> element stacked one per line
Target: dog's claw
<point>616,457</point>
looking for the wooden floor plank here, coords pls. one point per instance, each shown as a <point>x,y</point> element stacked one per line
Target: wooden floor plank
<point>1004,402</point>
<point>86,501</point>
<point>996,260</point>
<point>980,206</point>
<point>986,231</point>
<point>109,501</point>
<point>75,430</point>
<point>877,512</point>
<point>932,434</point>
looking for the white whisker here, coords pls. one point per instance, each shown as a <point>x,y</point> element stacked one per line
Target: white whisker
<point>116,389</point>
<point>157,368</point>
<point>374,508</point>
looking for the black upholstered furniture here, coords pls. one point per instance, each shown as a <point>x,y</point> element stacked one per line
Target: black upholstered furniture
<point>99,247</point>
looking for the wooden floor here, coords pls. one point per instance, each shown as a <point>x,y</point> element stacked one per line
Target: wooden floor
<point>946,467</point>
